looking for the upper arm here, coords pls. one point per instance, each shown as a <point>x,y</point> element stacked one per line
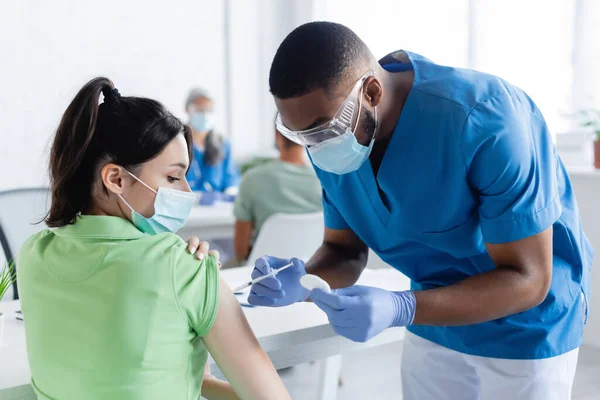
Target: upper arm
<point>236,350</point>
<point>511,167</point>
<point>243,235</point>
<point>244,214</point>
<point>243,208</point>
<point>343,237</point>
<point>531,256</point>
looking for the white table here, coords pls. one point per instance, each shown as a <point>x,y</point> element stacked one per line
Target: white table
<point>290,335</point>
<point>210,222</point>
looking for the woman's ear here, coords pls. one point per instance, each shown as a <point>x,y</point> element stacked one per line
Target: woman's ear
<point>373,91</point>
<point>113,178</point>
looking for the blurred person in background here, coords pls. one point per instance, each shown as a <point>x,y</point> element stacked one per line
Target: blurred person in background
<point>212,168</point>
<point>285,185</point>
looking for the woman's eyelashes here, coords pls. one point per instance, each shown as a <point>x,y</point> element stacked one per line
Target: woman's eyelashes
<point>172,179</point>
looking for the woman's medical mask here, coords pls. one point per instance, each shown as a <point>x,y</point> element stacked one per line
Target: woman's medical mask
<point>171,210</point>
<point>343,154</point>
<point>202,121</point>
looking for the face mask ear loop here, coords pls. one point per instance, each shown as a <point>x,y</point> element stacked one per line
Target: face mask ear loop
<point>140,181</point>
<point>359,109</point>
<point>125,201</point>
<point>376,127</point>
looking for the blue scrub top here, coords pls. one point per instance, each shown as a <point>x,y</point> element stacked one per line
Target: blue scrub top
<point>470,161</point>
<point>220,176</point>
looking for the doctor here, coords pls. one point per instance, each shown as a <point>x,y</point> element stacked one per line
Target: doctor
<point>451,177</point>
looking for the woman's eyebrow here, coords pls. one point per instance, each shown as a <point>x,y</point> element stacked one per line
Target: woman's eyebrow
<point>180,165</point>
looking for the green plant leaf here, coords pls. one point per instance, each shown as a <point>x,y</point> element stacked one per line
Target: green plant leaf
<point>8,276</point>
<point>589,115</point>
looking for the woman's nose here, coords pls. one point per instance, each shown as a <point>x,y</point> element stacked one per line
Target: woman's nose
<point>187,187</point>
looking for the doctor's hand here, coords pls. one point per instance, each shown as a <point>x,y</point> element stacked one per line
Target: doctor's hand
<point>360,313</point>
<point>282,289</point>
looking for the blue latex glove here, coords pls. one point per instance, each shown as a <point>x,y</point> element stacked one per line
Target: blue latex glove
<point>361,312</point>
<point>282,289</point>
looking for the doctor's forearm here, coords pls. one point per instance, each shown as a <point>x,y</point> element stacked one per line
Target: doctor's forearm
<point>485,297</point>
<point>339,265</point>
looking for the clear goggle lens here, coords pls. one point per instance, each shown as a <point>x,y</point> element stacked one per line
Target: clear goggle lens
<point>339,124</point>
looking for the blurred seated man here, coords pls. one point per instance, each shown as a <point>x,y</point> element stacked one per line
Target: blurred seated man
<point>285,185</point>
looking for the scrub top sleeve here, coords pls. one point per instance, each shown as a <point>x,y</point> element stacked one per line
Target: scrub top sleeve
<point>333,218</point>
<point>242,208</point>
<point>230,170</point>
<point>196,288</point>
<point>511,166</point>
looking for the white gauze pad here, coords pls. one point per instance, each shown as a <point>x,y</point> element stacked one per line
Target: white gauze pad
<point>311,282</point>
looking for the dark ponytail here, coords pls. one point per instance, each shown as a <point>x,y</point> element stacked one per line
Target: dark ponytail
<point>213,148</point>
<point>127,131</point>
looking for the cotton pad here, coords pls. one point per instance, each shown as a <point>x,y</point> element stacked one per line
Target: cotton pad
<point>311,282</point>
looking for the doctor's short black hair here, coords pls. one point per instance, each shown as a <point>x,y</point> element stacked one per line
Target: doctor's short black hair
<point>316,55</point>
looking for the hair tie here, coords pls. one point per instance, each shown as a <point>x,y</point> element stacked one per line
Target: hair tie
<point>111,95</point>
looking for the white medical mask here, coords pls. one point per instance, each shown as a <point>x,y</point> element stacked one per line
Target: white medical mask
<point>202,121</point>
<point>343,154</point>
<point>171,210</point>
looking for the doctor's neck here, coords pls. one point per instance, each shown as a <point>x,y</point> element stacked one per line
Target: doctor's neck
<point>396,87</point>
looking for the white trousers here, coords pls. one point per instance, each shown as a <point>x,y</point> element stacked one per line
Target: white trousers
<point>433,372</point>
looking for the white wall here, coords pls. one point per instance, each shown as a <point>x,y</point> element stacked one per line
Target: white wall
<point>48,50</point>
<point>436,29</point>
<point>245,83</point>
<point>256,28</point>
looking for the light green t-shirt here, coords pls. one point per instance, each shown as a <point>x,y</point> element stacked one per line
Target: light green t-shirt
<point>277,187</point>
<point>113,313</point>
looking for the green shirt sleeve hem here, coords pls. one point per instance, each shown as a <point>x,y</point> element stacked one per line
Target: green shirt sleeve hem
<point>212,306</point>
<point>211,302</point>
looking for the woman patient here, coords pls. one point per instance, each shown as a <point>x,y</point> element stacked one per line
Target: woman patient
<point>115,305</point>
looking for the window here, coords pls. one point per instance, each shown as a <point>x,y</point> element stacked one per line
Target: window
<point>436,29</point>
<point>528,43</point>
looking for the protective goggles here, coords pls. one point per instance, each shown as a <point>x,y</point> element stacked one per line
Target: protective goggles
<point>338,126</point>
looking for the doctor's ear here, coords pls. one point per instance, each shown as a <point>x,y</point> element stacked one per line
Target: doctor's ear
<point>373,91</point>
<point>114,178</point>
